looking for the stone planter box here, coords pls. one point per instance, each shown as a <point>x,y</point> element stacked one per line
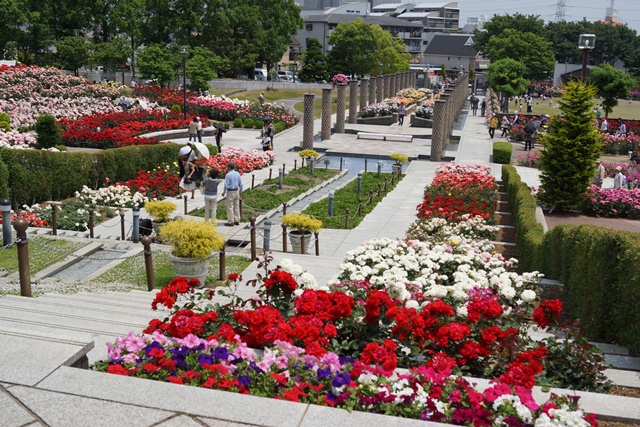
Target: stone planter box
<point>383,121</point>
<point>419,122</point>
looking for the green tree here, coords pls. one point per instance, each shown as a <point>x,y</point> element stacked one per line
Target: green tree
<point>533,51</point>
<point>156,62</point>
<point>570,150</point>
<point>611,84</point>
<point>498,23</point>
<point>73,53</point>
<point>314,67</point>
<point>506,76</point>
<point>201,68</point>
<point>443,71</point>
<point>112,54</point>
<point>128,17</point>
<point>353,46</point>
<point>563,37</point>
<point>48,133</point>
<point>391,52</point>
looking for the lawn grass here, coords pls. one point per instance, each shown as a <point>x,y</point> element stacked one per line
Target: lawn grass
<point>276,95</point>
<point>624,109</point>
<point>43,252</point>
<point>267,195</point>
<point>132,270</point>
<point>347,197</point>
<point>317,106</point>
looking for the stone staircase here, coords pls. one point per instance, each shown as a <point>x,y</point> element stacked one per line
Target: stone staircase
<point>506,240</point>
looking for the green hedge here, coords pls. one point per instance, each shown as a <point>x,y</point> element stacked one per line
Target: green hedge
<point>502,152</point>
<point>34,176</point>
<point>599,268</point>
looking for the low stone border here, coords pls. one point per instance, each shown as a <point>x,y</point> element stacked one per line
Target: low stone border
<point>419,122</point>
<point>383,120</point>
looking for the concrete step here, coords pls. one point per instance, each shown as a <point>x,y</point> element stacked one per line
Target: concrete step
<point>107,300</point>
<point>98,306</point>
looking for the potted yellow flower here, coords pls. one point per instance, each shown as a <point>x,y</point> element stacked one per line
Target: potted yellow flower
<point>301,225</point>
<point>399,160</point>
<point>159,211</point>
<point>193,242</point>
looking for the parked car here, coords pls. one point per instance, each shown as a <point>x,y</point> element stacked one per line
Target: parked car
<point>260,74</point>
<point>285,76</point>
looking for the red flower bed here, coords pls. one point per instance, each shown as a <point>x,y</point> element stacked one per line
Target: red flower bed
<point>118,129</point>
<point>163,96</point>
<point>156,184</point>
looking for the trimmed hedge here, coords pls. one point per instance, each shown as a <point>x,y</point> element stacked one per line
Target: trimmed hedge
<point>599,268</point>
<point>34,176</point>
<point>502,152</point>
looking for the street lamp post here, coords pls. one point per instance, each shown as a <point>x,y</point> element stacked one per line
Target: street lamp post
<point>184,50</point>
<point>586,42</point>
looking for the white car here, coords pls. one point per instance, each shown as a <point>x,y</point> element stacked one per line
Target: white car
<point>285,76</point>
<point>260,74</point>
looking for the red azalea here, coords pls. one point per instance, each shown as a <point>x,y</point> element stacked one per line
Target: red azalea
<point>548,311</point>
<point>118,370</point>
<point>175,380</point>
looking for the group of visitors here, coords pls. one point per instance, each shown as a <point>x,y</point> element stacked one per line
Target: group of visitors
<point>604,126</point>
<point>268,132</point>
<point>475,101</point>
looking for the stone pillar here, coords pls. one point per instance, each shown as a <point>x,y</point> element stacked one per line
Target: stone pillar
<point>373,85</point>
<point>450,115</point>
<point>394,84</point>
<point>353,101</point>
<point>325,132</point>
<point>437,133</point>
<point>307,130</point>
<point>405,80</point>
<point>380,91</point>
<point>387,86</point>
<point>364,93</point>
<point>414,76</point>
<point>341,105</point>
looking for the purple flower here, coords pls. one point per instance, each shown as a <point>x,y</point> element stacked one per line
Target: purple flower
<point>341,380</point>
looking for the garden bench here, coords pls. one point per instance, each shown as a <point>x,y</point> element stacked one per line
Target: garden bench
<point>385,136</point>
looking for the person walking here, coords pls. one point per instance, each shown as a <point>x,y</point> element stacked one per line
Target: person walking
<point>530,105</point>
<point>193,129</point>
<point>401,112</point>
<point>529,132</point>
<point>474,104</point>
<point>493,125</point>
<point>233,191</point>
<point>269,131</point>
<point>504,126</point>
<point>199,129</point>
<point>261,98</point>
<point>187,183</point>
<point>604,126</point>
<point>600,172</point>
<point>218,134</point>
<point>209,187</point>
<point>619,181</point>
<point>187,150</point>
<point>622,129</point>
<point>483,107</point>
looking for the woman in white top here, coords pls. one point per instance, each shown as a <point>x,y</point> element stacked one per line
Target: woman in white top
<point>209,188</point>
<point>187,183</point>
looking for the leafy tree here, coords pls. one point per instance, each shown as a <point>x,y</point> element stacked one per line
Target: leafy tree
<point>612,43</point>
<point>201,68</point>
<point>112,54</point>
<point>156,62</point>
<point>563,37</point>
<point>314,67</point>
<point>48,132</point>
<point>392,55</point>
<point>73,53</point>
<point>278,21</point>
<point>498,23</point>
<point>506,76</point>
<point>611,84</point>
<point>443,71</point>
<point>128,17</point>
<point>530,49</point>
<point>570,150</point>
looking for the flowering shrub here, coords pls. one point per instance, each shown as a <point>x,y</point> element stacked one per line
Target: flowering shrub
<point>118,129</point>
<point>245,161</point>
<point>70,215</point>
<point>217,108</point>
<point>530,159</point>
<point>414,94</point>
<point>378,110</point>
<point>32,218</point>
<point>612,202</point>
<point>17,140</point>
<point>277,113</point>
<point>474,228</point>
<point>620,144</point>
<point>119,196</point>
<point>425,111</point>
<point>156,184</point>
<point>339,79</point>
<point>162,95</point>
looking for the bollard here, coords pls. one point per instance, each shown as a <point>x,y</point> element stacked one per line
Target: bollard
<point>302,163</point>
<point>253,180</point>
<point>379,188</point>
<point>240,206</point>
<point>54,218</point>
<point>284,208</point>
<point>186,210</point>
<point>6,221</point>
<point>252,225</point>
<point>385,185</point>
<point>270,172</point>
<point>315,233</point>
<point>370,196</point>
<point>366,163</point>
<point>223,262</point>
<point>359,183</point>
<point>332,195</point>
<point>392,178</point>
<point>284,168</point>
<point>148,262</point>
<point>340,163</point>
<point>312,163</point>
<point>302,246</point>
<point>359,211</point>
<point>379,168</point>
<point>135,238</point>
<point>266,230</point>
<point>122,234</point>
<point>91,223</point>
<point>20,225</point>
<point>346,218</point>
<point>280,176</point>
<point>295,164</point>
<point>284,238</point>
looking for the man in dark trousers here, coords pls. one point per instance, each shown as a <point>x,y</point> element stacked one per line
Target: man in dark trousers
<point>474,104</point>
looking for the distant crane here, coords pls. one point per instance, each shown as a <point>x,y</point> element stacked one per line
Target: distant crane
<point>560,9</point>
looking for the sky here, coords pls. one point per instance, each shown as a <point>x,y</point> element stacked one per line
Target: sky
<point>575,10</point>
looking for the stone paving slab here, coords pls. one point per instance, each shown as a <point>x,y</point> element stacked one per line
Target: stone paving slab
<point>58,409</point>
<point>13,414</point>
<point>79,306</point>
<point>321,416</point>
<point>623,378</point>
<point>218,423</point>
<point>623,362</point>
<point>180,421</point>
<point>116,303</point>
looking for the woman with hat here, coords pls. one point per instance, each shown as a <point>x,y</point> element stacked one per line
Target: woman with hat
<point>620,181</point>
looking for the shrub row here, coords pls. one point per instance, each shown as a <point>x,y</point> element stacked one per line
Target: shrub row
<point>599,268</point>
<point>32,176</point>
<point>502,152</point>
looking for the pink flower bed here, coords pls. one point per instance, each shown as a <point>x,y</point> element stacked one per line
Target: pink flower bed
<point>612,202</point>
<point>246,161</point>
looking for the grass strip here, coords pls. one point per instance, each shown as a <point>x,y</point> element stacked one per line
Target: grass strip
<point>43,252</point>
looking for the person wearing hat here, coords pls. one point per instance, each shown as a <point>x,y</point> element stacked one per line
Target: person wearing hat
<point>620,181</point>
<point>599,178</point>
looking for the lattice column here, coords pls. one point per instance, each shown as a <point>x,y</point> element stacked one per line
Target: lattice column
<point>438,130</point>
<point>325,132</point>
<point>364,93</point>
<point>380,91</point>
<point>341,105</point>
<point>450,113</point>
<point>414,76</point>
<point>307,130</point>
<point>353,101</point>
<point>373,85</point>
<point>405,80</point>
<point>387,86</point>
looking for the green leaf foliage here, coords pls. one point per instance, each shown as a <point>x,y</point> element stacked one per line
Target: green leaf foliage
<point>570,149</point>
<point>611,84</point>
<point>201,67</point>
<point>48,132</point>
<point>314,63</point>
<point>502,152</point>
<point>505,76</point>
<point>498,23</point>
<point>530,49</point>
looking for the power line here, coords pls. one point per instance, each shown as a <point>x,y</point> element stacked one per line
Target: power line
<point>560,9</point>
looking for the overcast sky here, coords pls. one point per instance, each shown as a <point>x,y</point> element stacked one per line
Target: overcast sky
<point>575,10</point>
